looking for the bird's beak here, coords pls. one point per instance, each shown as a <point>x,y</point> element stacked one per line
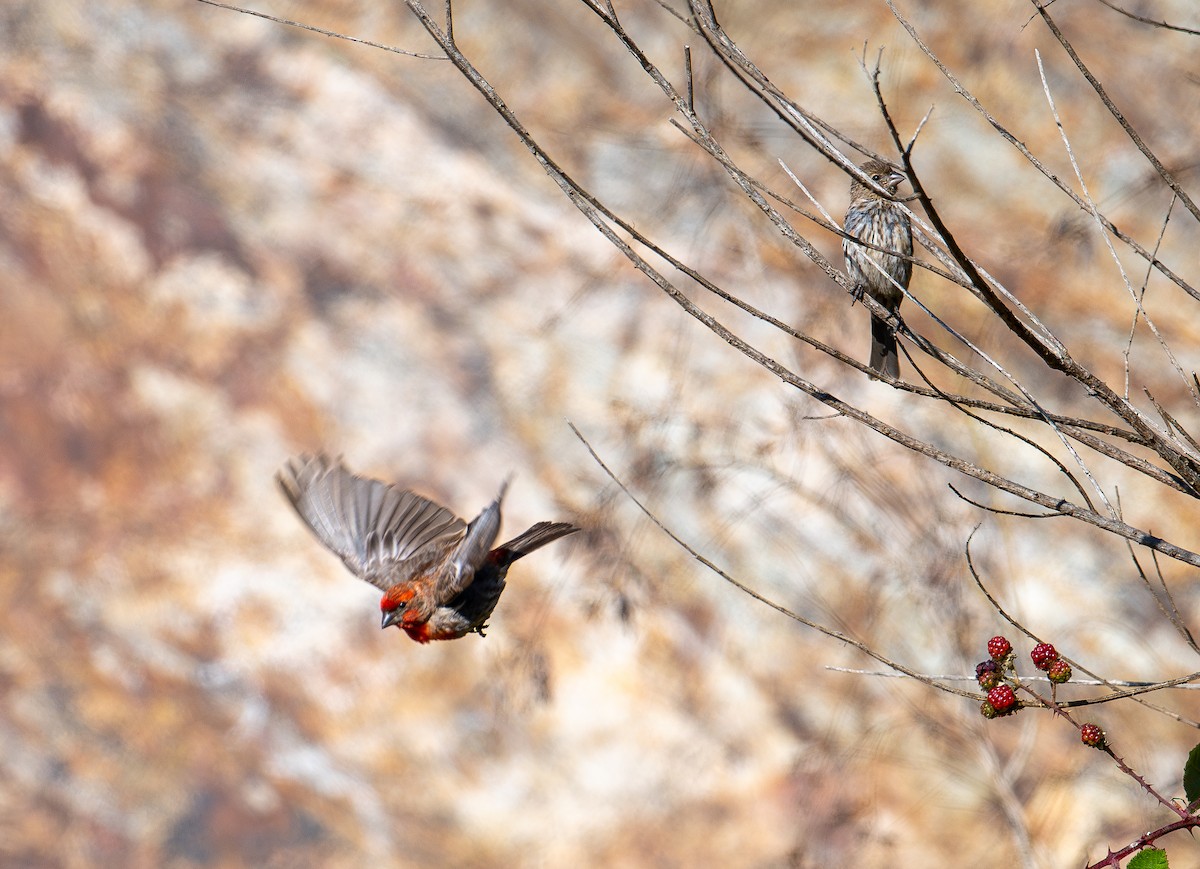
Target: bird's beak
<point>896,179</point>
<point>391,617</point>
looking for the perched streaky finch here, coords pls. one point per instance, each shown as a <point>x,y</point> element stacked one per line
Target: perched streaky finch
<point>883,223</point>
<point>440,576</point>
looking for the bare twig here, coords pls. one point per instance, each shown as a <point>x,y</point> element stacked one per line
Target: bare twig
<point>1100,224</point>
<point>687,74</point>
<point>583,203</point>
<point>1144,688</point>
<point>333,34</point>
<point>1150,21</point>
<point>1115,112</point>
<point>1169,610</point>
<point>1033,160</point>
<point>741,586</point>
<point>1055,357</point>
<point>964,677</point>
<point>1140,311</point>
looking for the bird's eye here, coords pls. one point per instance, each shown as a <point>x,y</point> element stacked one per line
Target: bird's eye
<point>876,177</point>
<point>388,605</point>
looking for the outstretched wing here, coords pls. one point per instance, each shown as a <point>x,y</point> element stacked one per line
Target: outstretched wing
<point>473,549</point>
<point>383,534</point>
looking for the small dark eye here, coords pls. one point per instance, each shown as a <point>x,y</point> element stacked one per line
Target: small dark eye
<point>876,177</point>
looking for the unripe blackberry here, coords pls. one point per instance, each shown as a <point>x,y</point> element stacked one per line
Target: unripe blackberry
<point>1043,655</point>
<point>987,710</point>
<point>1091,734</point>
<point>984,667</point>
<point>988,675</point>
<point>1059,672</point>
<point>998,647</point>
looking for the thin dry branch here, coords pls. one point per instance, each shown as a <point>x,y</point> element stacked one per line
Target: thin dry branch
<point>572,190</point>
<point>741,586</point>
<point>1152,22</point>
<point>1137,140</point>
<point>1033,160</point>
<point>1051,353</point>
<point>1118,694</point>
<point>804,123</point>
<point>1095,211</point>
<point>1169,610</point>
<point>584,202</point>
<point>1140,312</point>
<point>330,33</point>
<point>1185,465</point>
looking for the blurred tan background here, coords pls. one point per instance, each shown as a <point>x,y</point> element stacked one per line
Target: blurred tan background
<point>225,241</point>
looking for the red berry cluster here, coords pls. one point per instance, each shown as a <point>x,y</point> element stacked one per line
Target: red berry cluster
<point>997,676</point>
<point>1046,657</point>
<point>993,677</point>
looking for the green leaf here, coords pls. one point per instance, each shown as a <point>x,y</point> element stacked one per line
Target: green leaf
<point>1191,775</point>
<point>1149,858</point>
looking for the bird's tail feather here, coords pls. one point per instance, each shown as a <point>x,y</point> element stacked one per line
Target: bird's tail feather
<point>885,355</point>
<point>535,538</point>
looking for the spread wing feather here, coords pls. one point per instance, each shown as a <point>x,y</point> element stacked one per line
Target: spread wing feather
<point>383,534</point>
<point>474,548</point>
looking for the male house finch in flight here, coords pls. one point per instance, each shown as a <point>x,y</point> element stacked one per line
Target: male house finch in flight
<point>440,577</point>
<point>883,223</point>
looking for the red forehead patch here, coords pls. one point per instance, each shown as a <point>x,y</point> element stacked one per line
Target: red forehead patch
<point>395,596</point>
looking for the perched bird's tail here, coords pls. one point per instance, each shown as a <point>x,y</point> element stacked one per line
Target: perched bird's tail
<point>885,355</point>
<point>535,538</point>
